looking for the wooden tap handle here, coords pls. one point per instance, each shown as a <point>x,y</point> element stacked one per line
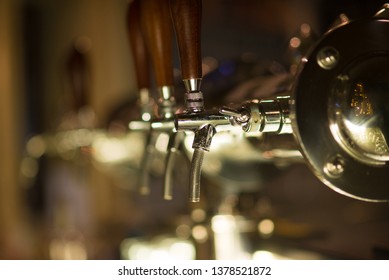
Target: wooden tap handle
<point>78,72</point>
<point>156,23</point>
<point>186,15</point>
<point>138,47</point>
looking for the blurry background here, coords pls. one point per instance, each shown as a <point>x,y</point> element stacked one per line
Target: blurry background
<point>73,210</point>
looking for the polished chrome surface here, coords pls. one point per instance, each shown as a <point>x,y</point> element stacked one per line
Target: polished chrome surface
<point>339,109</point>
<point>154,126</point>
<point>139,125</point>
<point>194,121</point>
<point>203,137</point>
<point>146,104</point>
<point>162,125</point>
<point>195,175</point>
<point>252,119</point>
<point>175,141</point>
<point>201,143</point>
<point>192,85</point>
<point>327,58</point>
<point>194,100</point>
<point>359,122</point>
<point>384,12</point>
<point>269,115</point>
<point>166,102</point>
<point>145,165</point>
<point>240,116</point>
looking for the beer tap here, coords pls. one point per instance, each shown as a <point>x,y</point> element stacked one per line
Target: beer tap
<point>253,117</point>
<point>186,16</point>
<point>158,35</point>
<point>145,101</point>
<point>156,24</point>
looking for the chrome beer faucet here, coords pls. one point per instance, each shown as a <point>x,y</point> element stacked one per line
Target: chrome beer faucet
<point>253,117</point>
<point>157,31</point>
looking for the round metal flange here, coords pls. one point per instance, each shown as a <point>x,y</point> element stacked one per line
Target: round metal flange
<point>340,109</point>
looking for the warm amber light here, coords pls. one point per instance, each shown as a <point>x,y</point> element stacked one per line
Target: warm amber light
<point>361,98</point>
<point>360,101</point>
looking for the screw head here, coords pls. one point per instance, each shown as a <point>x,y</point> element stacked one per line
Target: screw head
<point>334,167</point>
<point>327,58</point>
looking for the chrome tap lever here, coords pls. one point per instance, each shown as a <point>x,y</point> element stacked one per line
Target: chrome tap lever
<point>237,116</point>
<point>256,117</point>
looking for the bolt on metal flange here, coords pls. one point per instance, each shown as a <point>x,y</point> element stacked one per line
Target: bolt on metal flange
<point>334,167</point>
<point>327,58</point>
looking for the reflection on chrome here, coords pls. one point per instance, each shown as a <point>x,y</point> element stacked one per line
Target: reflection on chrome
<point>360,111</point>
<point>360,101</point>
<point>368,139</point>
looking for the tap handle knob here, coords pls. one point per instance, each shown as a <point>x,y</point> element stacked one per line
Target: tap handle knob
<point>138,47</point>
<point>157,27</point>
<point>186,15</point>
